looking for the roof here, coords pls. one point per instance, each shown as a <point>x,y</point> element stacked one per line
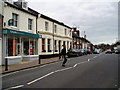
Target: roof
<point>55,21</point>
<point>30,11</point>
<point>35,13</point>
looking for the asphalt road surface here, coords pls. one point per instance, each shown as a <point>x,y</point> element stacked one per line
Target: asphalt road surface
<point>89,71</point>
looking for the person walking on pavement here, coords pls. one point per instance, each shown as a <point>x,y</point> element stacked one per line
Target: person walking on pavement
<point>63,53</point>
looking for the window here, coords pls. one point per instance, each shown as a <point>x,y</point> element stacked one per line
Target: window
<point>26,46</point>
<point>15,19</point>
<point>30,24</point>
<point>55,43</point>
<point>43,45</point>
<point>46,26</point>
<point>67,45</point>
<point>70,33</point>
<point>13,46</point>
<point>49,40</point>
<point>63,42</point>
<point>65,32</point>
<point>55,29</point>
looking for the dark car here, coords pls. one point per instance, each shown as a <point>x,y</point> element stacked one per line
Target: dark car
<point>74,52</point>
<point>84,51</point>
<point>89,51</point>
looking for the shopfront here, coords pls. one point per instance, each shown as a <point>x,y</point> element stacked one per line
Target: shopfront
<point>20,46</point>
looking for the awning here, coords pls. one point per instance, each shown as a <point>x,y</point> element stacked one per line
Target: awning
<point>21,33</point>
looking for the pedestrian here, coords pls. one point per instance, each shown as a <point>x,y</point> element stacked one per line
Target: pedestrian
<point>63,54</point>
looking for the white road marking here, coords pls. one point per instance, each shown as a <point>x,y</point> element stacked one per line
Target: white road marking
<point>94,56</point>
<point>14,87</point>
<point>44,75</point>
<point>40,78</point>
<point>88,60</point>
<point>83,62</point>
<point>62,69</point>
<point>75,65</point>
<point>26,69</point>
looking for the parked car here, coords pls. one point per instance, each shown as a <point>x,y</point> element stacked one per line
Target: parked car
<point>84,51</point>
<point>117,51</point>
<point>74,52</point>
<point>80,52</point>
<point>96,52</point>
<point>89,51</point>
<point>108,52</point>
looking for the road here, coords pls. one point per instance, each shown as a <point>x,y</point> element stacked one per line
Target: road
<point>89,71</point>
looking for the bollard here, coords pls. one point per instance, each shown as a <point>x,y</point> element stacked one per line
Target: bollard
<point>6,64</point>
<point>39,62</point>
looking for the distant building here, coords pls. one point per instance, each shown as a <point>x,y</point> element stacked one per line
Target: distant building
<point>80,42</point>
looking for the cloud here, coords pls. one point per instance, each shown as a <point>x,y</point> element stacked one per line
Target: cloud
<point>98,19</point>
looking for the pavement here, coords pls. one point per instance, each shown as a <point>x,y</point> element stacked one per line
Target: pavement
<point>27,64</point>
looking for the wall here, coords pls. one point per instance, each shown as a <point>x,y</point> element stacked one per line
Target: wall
<point>60,35</point>
<point>22,20</point>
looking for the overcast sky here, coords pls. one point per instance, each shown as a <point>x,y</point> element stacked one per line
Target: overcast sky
<point>99,19</point>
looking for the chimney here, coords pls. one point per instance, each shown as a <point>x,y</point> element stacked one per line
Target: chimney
<point>84,35</point>
<point>9,1</point>
<point>22,4</point>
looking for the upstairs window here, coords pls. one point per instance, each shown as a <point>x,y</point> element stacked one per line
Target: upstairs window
<point>46,26</point>
<point>65,32</point>
<point>70,32</point>
<point>30,21</point>
<point>55,29</point>
<point>15,19</point>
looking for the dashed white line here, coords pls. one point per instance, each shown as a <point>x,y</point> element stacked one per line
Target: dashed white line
<point>63,69</point>
<point>75,65</point>
<point>26,70</point>
<point>14,87</point>
<point>88,60</point>
<point>94,56</point>
<point>40,78</point>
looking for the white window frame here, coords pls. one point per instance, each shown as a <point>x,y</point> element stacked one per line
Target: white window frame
<point>46,26</point>
<point>30,24</point>
<point>15,19</point>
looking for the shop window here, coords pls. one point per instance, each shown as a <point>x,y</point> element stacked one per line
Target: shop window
<point>18,45</point>
<point>10,47</point>
<point>26,46</point>
<point>43,45</point>
<point>49,40</point>
<point>36,47</point>
<point>31,47</point>
<point>13,46</point>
